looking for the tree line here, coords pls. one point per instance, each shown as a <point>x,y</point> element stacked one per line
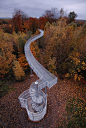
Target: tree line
<point>63,49</point>
<point>22,22</point>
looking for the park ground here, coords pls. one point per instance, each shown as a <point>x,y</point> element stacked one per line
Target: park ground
<point>13,116</point>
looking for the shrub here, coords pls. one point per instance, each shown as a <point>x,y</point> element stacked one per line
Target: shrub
<point>75,65</point>
<point>7,28</point>
<point>76,111</point>
<point>18,71</point>
<point>76,114</point>
<point>23,62</point>
<point>35,50</point>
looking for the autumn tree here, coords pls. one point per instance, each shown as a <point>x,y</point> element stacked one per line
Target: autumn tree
<point>23,62</point>
<point>18,20</point>
<point>7,26</point>
<point>42,22</point>
<point>18,71</point>
<point>51,15</point>
<point>6,55</point>
<point>35,50</point>
<point>72,16</point>
<point>33,24</point>
<point>65,49</point>
<point>18,40</point>
<point>62,13</point>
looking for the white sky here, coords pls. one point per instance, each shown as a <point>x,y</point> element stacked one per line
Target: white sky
<point>36,8</point>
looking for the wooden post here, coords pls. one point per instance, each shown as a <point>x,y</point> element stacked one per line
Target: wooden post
<point>31,74</point>
<point>29,35</point>
<point>42,43</point>
<point>46,90</point>
<point>37,42</point>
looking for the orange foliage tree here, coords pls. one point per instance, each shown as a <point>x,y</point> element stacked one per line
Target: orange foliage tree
<point>18,20</point>
<point>35,50</point>
<point>33,24</point>
<point>42,22</point>
<point>23,62</point>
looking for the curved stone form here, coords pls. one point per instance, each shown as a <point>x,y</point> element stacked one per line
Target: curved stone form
<point>34,99</point>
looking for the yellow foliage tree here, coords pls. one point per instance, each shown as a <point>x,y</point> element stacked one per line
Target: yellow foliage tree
<point>18,71</point>
<point>67,44</point>
<point>6,56</point>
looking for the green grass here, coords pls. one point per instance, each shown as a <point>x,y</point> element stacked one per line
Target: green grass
<point>76,113</point>
<point>4,88</point>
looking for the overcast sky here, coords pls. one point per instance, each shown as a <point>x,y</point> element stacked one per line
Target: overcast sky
<point>35,8</point>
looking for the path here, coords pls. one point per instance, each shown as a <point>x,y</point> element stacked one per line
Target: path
<point>48,78</point>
